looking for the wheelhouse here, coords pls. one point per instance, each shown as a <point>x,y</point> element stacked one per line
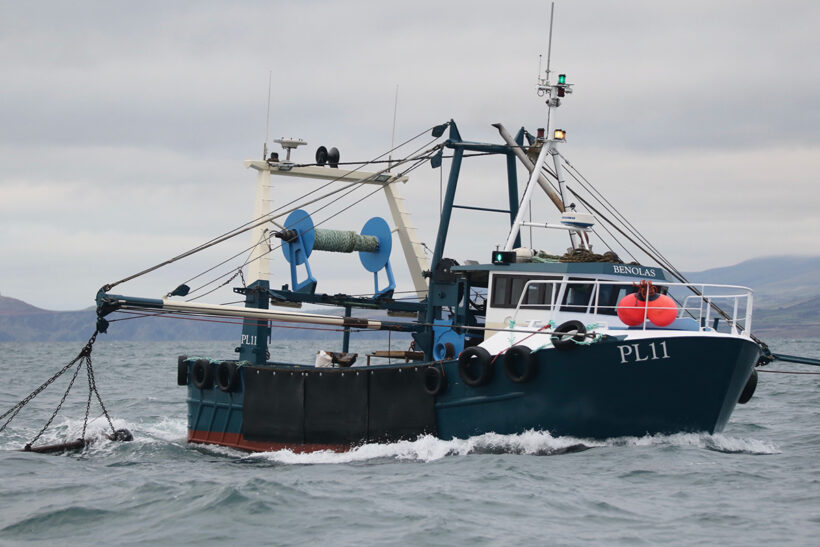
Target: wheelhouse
<point>533,294</point>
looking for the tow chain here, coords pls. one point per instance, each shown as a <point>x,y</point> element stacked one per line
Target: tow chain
<point>84,360</point>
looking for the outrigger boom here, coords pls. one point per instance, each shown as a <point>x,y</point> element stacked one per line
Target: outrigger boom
<point>107,303</point>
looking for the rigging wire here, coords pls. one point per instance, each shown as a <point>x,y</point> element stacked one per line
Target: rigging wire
<point>419,161</point>
<point>658,257</point>
<point>665,262</point>
<point>351,187</point>
<point>242,228</point>
<point>547,171</point>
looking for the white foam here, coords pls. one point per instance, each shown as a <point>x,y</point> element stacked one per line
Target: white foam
<point>168,429</point>
<point>717,442</point>
<point>429,448</point>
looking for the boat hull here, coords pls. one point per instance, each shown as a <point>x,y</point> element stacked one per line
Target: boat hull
<point>608,389</point>
<point>604,390</point>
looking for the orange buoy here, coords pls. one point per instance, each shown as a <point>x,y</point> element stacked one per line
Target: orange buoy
<point>631,310</point>
<point>662,310</point>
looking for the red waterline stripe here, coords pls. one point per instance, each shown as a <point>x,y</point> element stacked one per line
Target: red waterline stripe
<point>236,440</point>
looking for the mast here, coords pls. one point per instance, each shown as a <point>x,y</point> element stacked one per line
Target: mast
<point>548,145</point>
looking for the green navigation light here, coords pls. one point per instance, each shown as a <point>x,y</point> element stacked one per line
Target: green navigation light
<point>562,78</point>
<point>503,257</point>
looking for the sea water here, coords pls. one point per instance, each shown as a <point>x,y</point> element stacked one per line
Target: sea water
<point>757,482</point>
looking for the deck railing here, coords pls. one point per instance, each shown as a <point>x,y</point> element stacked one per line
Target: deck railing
<point>732,303</point>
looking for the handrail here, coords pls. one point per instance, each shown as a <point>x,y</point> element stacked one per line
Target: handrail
<point>704,300</point>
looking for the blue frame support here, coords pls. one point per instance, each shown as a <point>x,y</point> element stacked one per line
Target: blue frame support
<point>253,346</point>
<point>439,291</point>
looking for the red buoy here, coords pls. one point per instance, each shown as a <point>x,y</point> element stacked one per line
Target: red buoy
<point>631,310</point>
<point>662,310</point>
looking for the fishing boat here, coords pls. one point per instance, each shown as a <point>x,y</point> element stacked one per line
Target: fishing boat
<point>575,343</point>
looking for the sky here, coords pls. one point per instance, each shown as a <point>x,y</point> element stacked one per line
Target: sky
<point>124,125</point>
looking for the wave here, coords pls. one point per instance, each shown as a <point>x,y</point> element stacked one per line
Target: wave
<point>716,442</point>
<point>424,449</point>
<point>529,443</point>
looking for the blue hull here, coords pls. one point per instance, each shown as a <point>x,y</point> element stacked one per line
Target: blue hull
<point>588,392</point>
<point>594,391</point>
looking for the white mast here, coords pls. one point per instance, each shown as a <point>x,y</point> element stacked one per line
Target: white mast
<point>548,144</point>
<point>259,267</point>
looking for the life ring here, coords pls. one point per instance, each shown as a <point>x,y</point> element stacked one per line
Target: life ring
<point>567,335</point>
<point>748,389</point>
<point>182,370</point>
<point>227,375</point>
<point>519,364</point>
<point>202,374</point>
<point>475,366</point>
<point>434,381</point>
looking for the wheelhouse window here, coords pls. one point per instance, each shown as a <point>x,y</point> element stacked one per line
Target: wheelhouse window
<point>577,296</point>
<point>507,290</point>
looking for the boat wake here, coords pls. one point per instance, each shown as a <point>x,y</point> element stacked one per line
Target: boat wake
<point>716,442</point>
<point>530,443</point>
<point>424,449</point>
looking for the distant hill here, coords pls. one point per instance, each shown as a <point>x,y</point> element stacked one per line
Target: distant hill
<point>10,307</point>
<point>797,320</point>
<point>776,280</point>
<point>21,322</point>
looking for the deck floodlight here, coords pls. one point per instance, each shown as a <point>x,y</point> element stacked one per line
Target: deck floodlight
<point>559,135</point>
<point>321,156</point>
<point>333,157</point>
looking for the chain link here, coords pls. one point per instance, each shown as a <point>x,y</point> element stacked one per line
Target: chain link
<point>82,359</point>
<point>99,399</point>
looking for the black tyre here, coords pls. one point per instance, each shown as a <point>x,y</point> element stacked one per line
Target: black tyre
<point>182,370</point>
<point>567,335</point>
<point>227,376</point>
<point>434,381</point>
<point>202,374</point>
<point>475,366</point>
<point>748,389</point>
<point>519,364</point>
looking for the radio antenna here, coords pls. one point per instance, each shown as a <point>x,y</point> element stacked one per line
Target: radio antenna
<point>549,43</point>
<point>549,56</point>
<point>267,121</point>
<point>393,136</point>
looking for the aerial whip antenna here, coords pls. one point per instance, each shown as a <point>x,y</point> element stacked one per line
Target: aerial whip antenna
<point>549,42</point>
<point>267,121</point>
<point>549,56</point>
<point>393,136</point>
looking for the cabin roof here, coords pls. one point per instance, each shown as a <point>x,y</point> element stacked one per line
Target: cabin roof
<point>479,273</point>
